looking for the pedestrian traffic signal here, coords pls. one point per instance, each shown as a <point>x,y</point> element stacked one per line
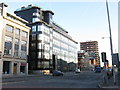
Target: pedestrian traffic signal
<point>103,54</point>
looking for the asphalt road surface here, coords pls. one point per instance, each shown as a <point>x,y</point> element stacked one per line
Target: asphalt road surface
<point>69,80</point>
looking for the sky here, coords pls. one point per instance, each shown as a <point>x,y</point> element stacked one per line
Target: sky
<point>85,21</point>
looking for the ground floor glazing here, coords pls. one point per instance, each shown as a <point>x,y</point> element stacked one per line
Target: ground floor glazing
<point>14,67</point>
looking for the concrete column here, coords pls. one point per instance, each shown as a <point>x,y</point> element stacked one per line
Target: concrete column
<point>18,68</point>
<point>1,70</point>
<point>11,66</point>
<point>13,42</point>
<point>19,52</point>
<point>26,69</point>
<point>1,67</point>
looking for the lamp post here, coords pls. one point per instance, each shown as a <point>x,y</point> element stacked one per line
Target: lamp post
<point>109,28</point>
<point>110,40</point>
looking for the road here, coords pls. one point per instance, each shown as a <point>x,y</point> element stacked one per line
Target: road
<point>69,80</point>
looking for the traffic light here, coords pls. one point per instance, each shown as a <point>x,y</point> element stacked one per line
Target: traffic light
<point>103,54</point>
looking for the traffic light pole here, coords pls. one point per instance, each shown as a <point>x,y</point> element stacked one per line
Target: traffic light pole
<point>105,79</point>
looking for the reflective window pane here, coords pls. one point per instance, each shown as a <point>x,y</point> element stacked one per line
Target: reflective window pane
<point>9,28</point>
<point>16,48</point>
<point>33,28</point>
<point>24,34</point>
<point>17,31</point>
<point>8,45</point>
<point>24,49</point>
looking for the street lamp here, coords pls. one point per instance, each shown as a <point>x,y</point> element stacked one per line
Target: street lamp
<point>109,30</point>
<point>105,37</point>
<point>110,40</point>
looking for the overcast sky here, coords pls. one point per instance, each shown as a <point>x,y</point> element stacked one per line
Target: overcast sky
<point>84,21</point>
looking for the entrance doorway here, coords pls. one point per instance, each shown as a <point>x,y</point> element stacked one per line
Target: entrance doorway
<point>6,67</point>
<point>22,68</point>
<point>15,68</point>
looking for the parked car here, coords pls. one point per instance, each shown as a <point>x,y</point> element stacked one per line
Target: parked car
<point>77,71</point>
<point>57,73</point>
<point>98,69</point>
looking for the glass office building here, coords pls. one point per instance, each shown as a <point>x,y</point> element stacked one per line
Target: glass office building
<point>50,45</point>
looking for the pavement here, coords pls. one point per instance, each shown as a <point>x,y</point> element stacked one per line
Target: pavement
<point>110,82</point>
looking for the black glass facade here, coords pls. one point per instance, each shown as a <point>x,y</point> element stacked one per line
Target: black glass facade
<point>50,45</point>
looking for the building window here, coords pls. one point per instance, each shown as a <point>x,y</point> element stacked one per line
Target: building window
<point>24,34</point>
<point>51,21</point>
<point>39,64</point>
<point>39,46</point>
<point>9,28</point>
<point>17,31</point>
<point>33,54</point>
<point>46,30</point>
<point>39,54</point>
<point>46,55</point>
<point>36,14</point>
<point>33,45</point>
<point>46,64</point>
<point>43,64</point>
<point>8,45</point>
<point>24,49</point>
<point>16,48</point>
<point>33,36</point>
<point>33,28</point>
<point>35,20</point>
<point>39,28</point>
<point>40,37</point>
